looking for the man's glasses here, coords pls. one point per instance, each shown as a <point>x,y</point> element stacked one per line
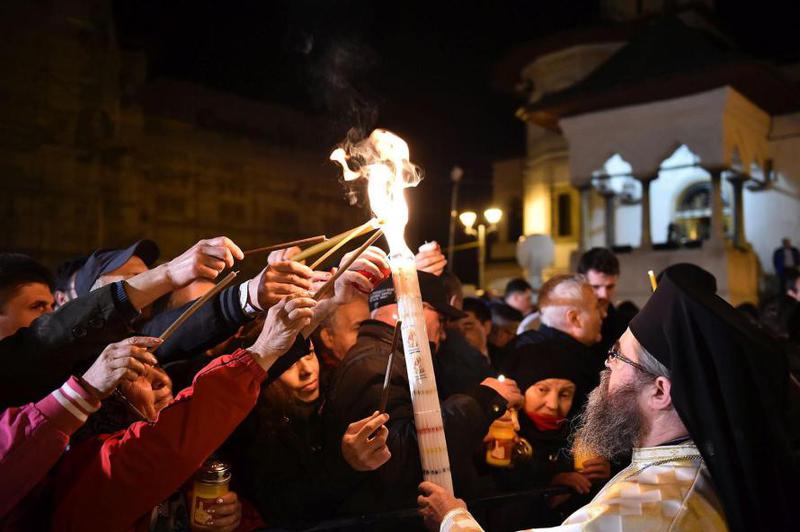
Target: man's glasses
<point>614,353</point>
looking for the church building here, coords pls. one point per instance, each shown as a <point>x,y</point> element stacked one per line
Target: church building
<point>657,137</point>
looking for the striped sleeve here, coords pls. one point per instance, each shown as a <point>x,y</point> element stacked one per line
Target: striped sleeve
<point>68,407</point>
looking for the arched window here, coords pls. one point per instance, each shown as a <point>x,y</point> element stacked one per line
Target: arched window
<point>693,213</point>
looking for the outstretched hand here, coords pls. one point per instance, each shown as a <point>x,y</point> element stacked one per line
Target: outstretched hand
<point>282,277</point>
<point>125,360</point>
<point>362,276</point>
<point>204,260</point>
<point>430,258</point>
<point>284,322</point>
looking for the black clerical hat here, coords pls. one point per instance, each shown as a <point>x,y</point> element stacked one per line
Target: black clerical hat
<point>729,386</point>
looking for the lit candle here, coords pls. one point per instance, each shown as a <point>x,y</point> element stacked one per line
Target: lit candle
<point>384,162</point>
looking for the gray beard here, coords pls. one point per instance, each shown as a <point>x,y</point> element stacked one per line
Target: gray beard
<point>610,425</point>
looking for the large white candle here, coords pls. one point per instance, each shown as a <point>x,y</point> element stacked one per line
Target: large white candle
<point>383,159</point>
<point>419,364</point>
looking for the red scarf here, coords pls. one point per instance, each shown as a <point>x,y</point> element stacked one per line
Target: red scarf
<point>545,422</point>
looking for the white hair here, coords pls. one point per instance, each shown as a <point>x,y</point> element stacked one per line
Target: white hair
<point>558,296</point>
<point>649,362</point>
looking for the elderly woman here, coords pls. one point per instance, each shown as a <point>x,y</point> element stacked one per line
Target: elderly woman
<point>549,382</point>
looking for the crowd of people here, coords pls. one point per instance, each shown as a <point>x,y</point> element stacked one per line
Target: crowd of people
<point>688,404</point>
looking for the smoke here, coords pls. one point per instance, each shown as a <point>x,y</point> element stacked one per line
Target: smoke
<point>341,79</point>
<point>360,156</point>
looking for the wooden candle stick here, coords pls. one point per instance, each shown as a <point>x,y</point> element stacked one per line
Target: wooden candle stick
<point>322,246</point>
<point>388,374</point>
<point>197,304</point>
<point>329,283</point>
<point>302,242</point>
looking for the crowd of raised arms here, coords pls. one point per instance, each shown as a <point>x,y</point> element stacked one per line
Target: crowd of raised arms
<point>270,408</point>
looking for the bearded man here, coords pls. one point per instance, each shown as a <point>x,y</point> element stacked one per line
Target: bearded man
<point>700,397</point>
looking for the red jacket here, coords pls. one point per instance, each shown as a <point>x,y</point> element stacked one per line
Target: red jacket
<point>34,436</point>
<point>110,482</point>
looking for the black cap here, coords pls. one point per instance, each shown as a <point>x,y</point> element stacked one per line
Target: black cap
<point>430,287</point>
<point>504,312</point>
<point>65,270</point>
<point>729,386</point>
<point>103,261</point>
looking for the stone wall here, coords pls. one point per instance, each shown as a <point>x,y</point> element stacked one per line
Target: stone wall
<point>87,161</point>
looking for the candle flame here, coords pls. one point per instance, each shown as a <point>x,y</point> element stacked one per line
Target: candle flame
<point>383,160</point>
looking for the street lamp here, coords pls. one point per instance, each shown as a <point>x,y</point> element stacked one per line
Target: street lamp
<point>456,174</point>
<point>468,219</point>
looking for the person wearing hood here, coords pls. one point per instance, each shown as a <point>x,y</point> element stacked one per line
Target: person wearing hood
<point>549,382</point>
<point>700,396</point>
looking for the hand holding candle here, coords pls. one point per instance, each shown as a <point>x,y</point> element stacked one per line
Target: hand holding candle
<point>204,260</point>
<point>282,277</point>
<point>507,389</point>
<point>430,258</point>
<point>347,262</point>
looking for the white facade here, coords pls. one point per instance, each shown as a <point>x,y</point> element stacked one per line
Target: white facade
<point>701,162</point>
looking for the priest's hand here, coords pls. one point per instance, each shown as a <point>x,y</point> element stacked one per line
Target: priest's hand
<point>364,443</point>
<point>430,258</point>
<point>576,481</point>
<point>204,260</point>
<point>507,388</point>
<point>284,322</point>
<point>282,277</point>
<point>435,503</point>
<point>596,468</point>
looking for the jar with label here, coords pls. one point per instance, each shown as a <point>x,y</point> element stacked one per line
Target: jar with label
<point>210,483</point>
<point>502,436</point>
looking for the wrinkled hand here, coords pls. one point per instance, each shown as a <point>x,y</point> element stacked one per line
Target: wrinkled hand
<point>128,360</point>
<point>204,260</point>
<point>225,514</point>
<point>284,322</point>
<point>362,276</point>
<point>435,503</point>
<point>364,443</point>
<point>508,389</point>
<point>596,468</point>
<point>430,258</point>
<point>474,333</point>
<point>282,277</point>
<point>148,393</point>
<point>573,480</point>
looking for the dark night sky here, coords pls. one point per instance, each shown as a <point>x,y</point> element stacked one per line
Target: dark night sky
<point>422,71</point>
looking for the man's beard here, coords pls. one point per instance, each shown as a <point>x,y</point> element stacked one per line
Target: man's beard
<point>610,425</point>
